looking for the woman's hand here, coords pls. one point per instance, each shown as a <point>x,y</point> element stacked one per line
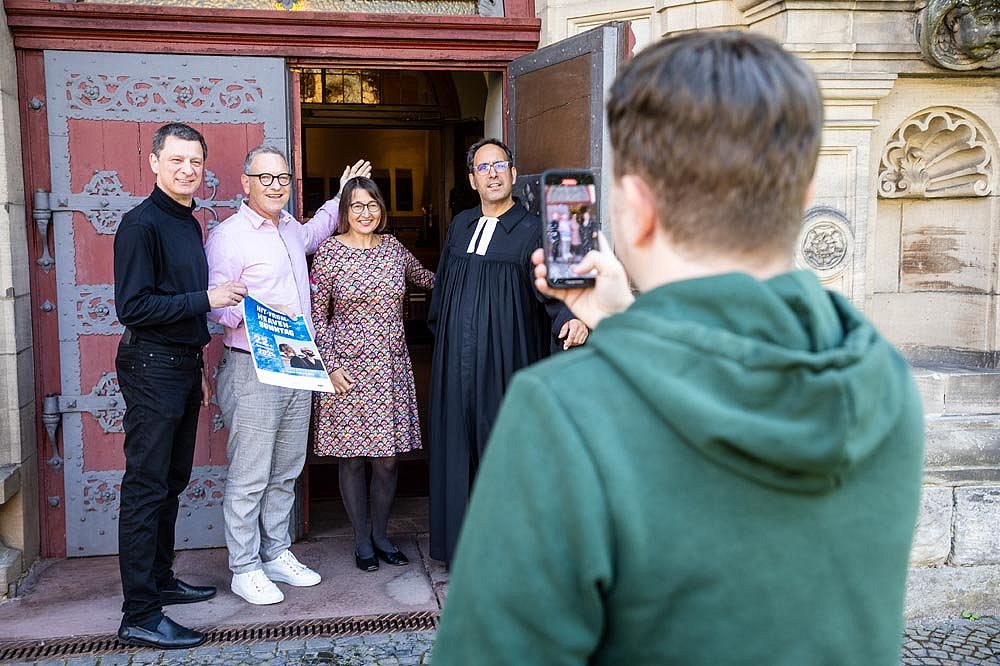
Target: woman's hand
<point>342,381</point>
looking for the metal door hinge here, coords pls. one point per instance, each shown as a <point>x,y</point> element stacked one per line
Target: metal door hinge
<point>105,403</point>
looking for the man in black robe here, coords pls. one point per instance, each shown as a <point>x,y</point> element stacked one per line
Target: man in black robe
<point>488,322</point>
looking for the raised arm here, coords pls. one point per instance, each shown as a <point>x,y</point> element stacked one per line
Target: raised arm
<point>324,223</point>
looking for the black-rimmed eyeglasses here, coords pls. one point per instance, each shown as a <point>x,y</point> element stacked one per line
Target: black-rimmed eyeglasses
<point>359,207</point>
<point>499,167</point>
<point>284,179</point>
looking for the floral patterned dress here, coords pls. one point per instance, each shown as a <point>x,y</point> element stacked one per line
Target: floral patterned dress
<point>357,304</point>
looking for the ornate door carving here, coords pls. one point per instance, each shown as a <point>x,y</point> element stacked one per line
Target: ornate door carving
<point>102,112</point>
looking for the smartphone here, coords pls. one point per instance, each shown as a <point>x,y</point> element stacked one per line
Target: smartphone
<point>569,224</point>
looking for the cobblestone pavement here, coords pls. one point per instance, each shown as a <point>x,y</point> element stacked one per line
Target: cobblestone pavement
<point>965,642</point>
<point>399,649</point>
<point>945,643</point>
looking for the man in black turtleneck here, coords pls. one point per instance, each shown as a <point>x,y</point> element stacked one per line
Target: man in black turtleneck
<point>162,297</point>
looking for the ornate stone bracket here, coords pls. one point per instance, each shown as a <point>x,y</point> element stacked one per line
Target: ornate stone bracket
<point>960,34</point>
<point>938,153</point>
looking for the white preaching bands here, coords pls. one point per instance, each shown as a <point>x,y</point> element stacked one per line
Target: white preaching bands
<point>490,224</point>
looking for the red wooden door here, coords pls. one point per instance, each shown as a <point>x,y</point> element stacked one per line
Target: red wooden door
<point>102,111</point>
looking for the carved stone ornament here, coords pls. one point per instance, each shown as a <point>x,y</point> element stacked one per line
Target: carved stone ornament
<point>960,34</point>
<point>937,153</point>
<point>826,242</point>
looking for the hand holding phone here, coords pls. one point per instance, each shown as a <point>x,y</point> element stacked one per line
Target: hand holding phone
<point>611,293</point>
<point>569,225</point>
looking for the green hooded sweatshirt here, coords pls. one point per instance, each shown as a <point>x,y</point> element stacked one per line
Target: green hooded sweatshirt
<point>728,472</point>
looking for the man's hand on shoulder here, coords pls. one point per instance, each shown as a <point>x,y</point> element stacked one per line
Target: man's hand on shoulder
<point>227,294</point>
<point>573,333</point>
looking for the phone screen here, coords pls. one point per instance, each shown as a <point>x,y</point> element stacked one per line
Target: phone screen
<point>570,225</point>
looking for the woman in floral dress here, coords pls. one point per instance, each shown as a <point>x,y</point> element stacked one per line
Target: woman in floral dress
<point>359,278</point>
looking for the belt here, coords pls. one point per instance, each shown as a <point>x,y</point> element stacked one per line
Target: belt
<point>238,350</point>
<point>130,337</point>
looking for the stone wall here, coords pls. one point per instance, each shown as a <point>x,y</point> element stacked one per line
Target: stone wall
<point>19,538</point>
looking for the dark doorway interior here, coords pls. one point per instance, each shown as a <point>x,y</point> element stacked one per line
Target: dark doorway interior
<point>414,127</point>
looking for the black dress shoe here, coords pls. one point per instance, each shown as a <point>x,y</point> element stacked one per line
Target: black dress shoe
<point>395,558</point>
<point>366,563</point>
<point>180,592</point>
<point>168,635</point>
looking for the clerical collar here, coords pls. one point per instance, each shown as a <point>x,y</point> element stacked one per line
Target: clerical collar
<point>482,236</point>
<point>508,220</point>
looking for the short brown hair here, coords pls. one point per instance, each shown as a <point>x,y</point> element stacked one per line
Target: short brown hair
<point>369,186</point>
<point>725,128</point>
<point>182,132</point>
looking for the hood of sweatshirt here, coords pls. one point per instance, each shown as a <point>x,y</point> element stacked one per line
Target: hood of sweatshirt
<point>780,381</point>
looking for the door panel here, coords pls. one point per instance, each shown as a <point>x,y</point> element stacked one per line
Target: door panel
<point>102,112</point>
<point>556,108</point>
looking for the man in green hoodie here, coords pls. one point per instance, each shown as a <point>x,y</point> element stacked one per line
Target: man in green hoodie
<point>729,472</point>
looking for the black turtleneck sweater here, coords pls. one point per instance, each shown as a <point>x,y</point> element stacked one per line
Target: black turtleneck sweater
<point>161,274</point>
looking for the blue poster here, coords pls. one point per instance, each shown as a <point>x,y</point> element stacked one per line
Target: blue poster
<point>283,349</point>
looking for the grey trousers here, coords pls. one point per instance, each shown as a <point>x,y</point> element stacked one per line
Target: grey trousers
<point>268,434</point>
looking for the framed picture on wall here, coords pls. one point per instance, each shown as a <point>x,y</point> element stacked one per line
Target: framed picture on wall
<point>404,189</point>
<point>384,182</point>
<point>312,196</point>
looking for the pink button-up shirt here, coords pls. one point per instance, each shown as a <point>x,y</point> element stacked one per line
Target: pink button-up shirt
<point>270,260</point>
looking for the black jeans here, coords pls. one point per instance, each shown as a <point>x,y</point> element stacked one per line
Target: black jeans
<point>162,390</point>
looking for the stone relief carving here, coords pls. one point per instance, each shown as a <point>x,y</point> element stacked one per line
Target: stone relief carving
<point>938,153</point>
<point>960,34</point>
<point>826,242</point>
<point>490,8</point>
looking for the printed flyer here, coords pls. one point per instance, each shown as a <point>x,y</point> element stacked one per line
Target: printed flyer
<point>283,349</point>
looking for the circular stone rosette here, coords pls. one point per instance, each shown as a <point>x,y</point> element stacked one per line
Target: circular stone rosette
<point>825,242</point>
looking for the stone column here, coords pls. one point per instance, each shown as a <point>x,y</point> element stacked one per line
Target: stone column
<point>19,537</point>
<point>834,237</point>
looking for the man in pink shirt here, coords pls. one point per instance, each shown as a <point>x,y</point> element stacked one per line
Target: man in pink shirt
<point>265,248</point>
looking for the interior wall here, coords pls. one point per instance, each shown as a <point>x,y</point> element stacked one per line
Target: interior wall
<point>329,149</point>
<point>471,90</point>
<point>493,120</point>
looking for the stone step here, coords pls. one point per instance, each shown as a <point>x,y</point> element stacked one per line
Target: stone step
<point>962,449</point>
<point>953,390</point>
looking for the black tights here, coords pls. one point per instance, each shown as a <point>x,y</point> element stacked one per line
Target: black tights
<point>383,491</point>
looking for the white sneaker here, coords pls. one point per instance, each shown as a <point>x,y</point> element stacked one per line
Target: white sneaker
<point>256,588</point>
<point>286,569</point>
